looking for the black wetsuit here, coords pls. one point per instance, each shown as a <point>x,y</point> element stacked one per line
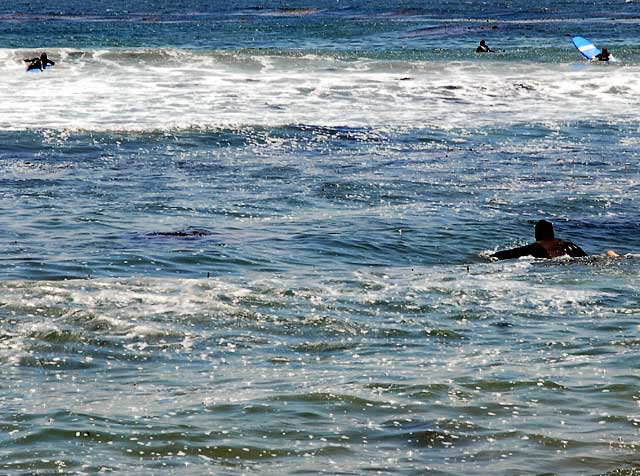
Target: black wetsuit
<point>603,56</point>
<point>36,63</point>
<point>483,49</point>
<point>543,249</point>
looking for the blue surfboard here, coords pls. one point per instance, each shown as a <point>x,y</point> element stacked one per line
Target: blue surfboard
<point>38,70</point>
<point>585,47</point>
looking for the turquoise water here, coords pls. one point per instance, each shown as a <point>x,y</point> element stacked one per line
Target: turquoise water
<point>249,238</point>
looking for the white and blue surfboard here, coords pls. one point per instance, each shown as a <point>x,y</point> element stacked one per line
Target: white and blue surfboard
<point>585,47</point>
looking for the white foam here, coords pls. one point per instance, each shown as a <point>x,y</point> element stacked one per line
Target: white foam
<point>133,90</point>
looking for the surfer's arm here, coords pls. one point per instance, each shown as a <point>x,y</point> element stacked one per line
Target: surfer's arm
<point>50,62</point>
<point>527,250</point>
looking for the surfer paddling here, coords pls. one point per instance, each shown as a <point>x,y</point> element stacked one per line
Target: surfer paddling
<point>604,55</point>
<point>545,246</point>
<point>483,47</point>
<point>39,63</point>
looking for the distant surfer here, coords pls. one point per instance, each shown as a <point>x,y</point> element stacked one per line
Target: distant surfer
<point>39,63</point>
<point>545,246</point>
<point>181,233</point>
<point>604,55</point>
<point>483,47</point>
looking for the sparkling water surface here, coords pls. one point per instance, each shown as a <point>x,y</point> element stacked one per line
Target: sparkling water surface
<point>250,238</point>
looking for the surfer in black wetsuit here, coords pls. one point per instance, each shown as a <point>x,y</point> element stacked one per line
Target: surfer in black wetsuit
<point>39,63</point>
<point>604,55</point>
<point>546,246</point>
<point>483,48</point>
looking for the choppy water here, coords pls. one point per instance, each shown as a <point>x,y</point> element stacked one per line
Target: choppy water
<point>247,238</point>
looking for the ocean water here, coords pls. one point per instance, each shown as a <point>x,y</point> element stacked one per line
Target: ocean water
<point>250,238</point>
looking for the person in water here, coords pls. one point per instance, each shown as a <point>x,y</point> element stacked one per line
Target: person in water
<point>39,63</point>
<point>483,48</point>
<point>545,246</point>
<point>604,55</point>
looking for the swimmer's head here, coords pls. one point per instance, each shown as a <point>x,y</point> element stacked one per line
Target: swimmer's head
<point>482,43</point>
<point>43,56</point>
<point>544,230</point>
